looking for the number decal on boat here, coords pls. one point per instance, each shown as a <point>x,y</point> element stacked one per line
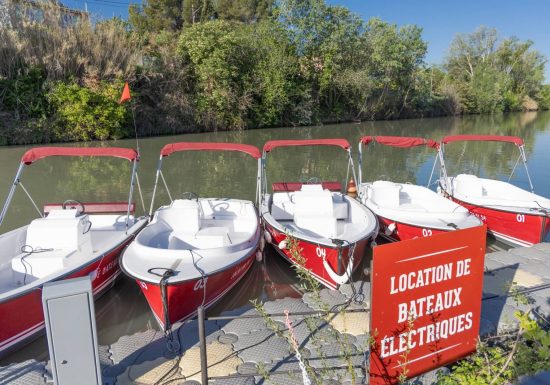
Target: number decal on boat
<point>143,285</point>
<point>426,232</point>
<point>201,283</point>
<point>520,218</point>
<point>321,252</point>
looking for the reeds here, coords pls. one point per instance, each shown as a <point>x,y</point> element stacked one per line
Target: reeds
<point>64,50</point>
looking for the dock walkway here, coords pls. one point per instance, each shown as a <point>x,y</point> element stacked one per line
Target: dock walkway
<point>254,350</point>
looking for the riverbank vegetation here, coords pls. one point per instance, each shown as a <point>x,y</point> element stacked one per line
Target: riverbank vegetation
<point>199,65</point>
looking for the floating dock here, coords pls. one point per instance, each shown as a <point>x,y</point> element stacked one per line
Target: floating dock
<point>254,349</point>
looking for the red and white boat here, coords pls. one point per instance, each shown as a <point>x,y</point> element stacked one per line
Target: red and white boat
<point>512,214</point>
<point>195,249</point>
<point>332,230</point>
<point>68,240</point>
<point>408,211</point>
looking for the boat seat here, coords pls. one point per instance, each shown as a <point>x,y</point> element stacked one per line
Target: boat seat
<point>182,216</point>
<point>205,238</point>
<point>339,207</point>
<point>27,267</point>
<point>468,185</point>
<point>314,211</point>
<point>282,208</point>
<point>61,230</point>
<point>385,194</point>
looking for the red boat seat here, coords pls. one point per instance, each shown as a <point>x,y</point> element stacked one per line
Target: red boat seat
<point>297,186</point>
<point>95,207</point>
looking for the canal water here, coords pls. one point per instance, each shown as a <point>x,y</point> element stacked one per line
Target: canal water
<point>123,309</point>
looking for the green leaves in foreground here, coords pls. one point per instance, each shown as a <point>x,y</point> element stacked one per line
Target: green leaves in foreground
<point>502,359</point>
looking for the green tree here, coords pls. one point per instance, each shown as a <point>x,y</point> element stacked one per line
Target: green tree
<point>243,10</point>
<point>492,76</point>
<point>221,63</point>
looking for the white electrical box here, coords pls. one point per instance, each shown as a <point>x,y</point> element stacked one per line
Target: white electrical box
<point>71,330</point>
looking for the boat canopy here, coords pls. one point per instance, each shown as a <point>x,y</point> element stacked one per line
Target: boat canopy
<point>487,138</point>
<point>343,143</point>
<point>399,141</point>
<point>38,153</point>
<point>210,146</point>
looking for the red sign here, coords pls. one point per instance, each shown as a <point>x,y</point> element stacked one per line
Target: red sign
<point>426,303</point>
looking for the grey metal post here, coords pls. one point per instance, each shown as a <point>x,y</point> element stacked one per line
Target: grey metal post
<point>159,165</point>
<point>131,194</point>
<point>10,194</point>
<point>202,341</point>
<point>360,164</point>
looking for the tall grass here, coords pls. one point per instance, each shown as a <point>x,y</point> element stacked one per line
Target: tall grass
<point>105,49</point>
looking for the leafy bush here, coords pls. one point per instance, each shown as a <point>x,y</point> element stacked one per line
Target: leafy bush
<point>24,94</point>
<point>86,114</point>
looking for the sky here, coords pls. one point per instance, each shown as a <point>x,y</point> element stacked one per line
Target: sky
<point>440,19</point>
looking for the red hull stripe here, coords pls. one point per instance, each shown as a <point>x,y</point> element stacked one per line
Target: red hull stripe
<point>516,227</point>
<point>314,254</point>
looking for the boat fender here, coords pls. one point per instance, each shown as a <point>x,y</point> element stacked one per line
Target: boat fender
<point>390,229</point>
<point>259,256</point>
<point>351,188</point>
<point>262,244</point>
<point>267,237</point>
<point>339,279</point>
<point>282,244</point>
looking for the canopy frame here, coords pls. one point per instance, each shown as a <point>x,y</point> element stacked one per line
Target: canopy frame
<point>37,153</point>
<point>486,138</point>
<point>171,148</point>
<point>270,145</point>
<point>394,141</point>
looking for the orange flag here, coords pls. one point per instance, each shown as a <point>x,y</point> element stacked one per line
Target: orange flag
<point>125,94</point>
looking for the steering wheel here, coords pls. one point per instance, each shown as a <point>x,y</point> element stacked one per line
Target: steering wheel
<point>314,180</point>
<point>190,195</point>
<point>72,202</point>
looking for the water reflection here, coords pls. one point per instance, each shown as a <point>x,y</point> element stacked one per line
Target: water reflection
<point>124,311</point>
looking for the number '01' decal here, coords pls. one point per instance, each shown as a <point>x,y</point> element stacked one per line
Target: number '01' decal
<point>520,218</point>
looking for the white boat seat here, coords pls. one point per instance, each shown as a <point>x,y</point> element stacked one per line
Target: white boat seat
<point>314,211</point>
<point>205,238</point>
<point>313,200</point>
<point>283,205</point>
<point>28,267</point>
<point>282,208</point>
<point>182,216</point>
<point>60,230</point>
<point>468,185</point>
<point>385,194</point>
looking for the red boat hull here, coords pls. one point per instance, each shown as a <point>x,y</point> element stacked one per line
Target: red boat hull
<point>313,254</point>
<point>517,228</point>
<point>185,297</point>
<point>404,231</point>
<point>22,317</point>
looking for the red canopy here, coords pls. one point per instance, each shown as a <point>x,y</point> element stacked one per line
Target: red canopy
<point>211,146</point>
<point>489,138</point>
<point>399,141</point>
<point>308,142</point>
<point>38,153</point>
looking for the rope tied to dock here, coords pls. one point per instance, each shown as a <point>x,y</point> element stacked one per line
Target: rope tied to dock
<point>301,364</point>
